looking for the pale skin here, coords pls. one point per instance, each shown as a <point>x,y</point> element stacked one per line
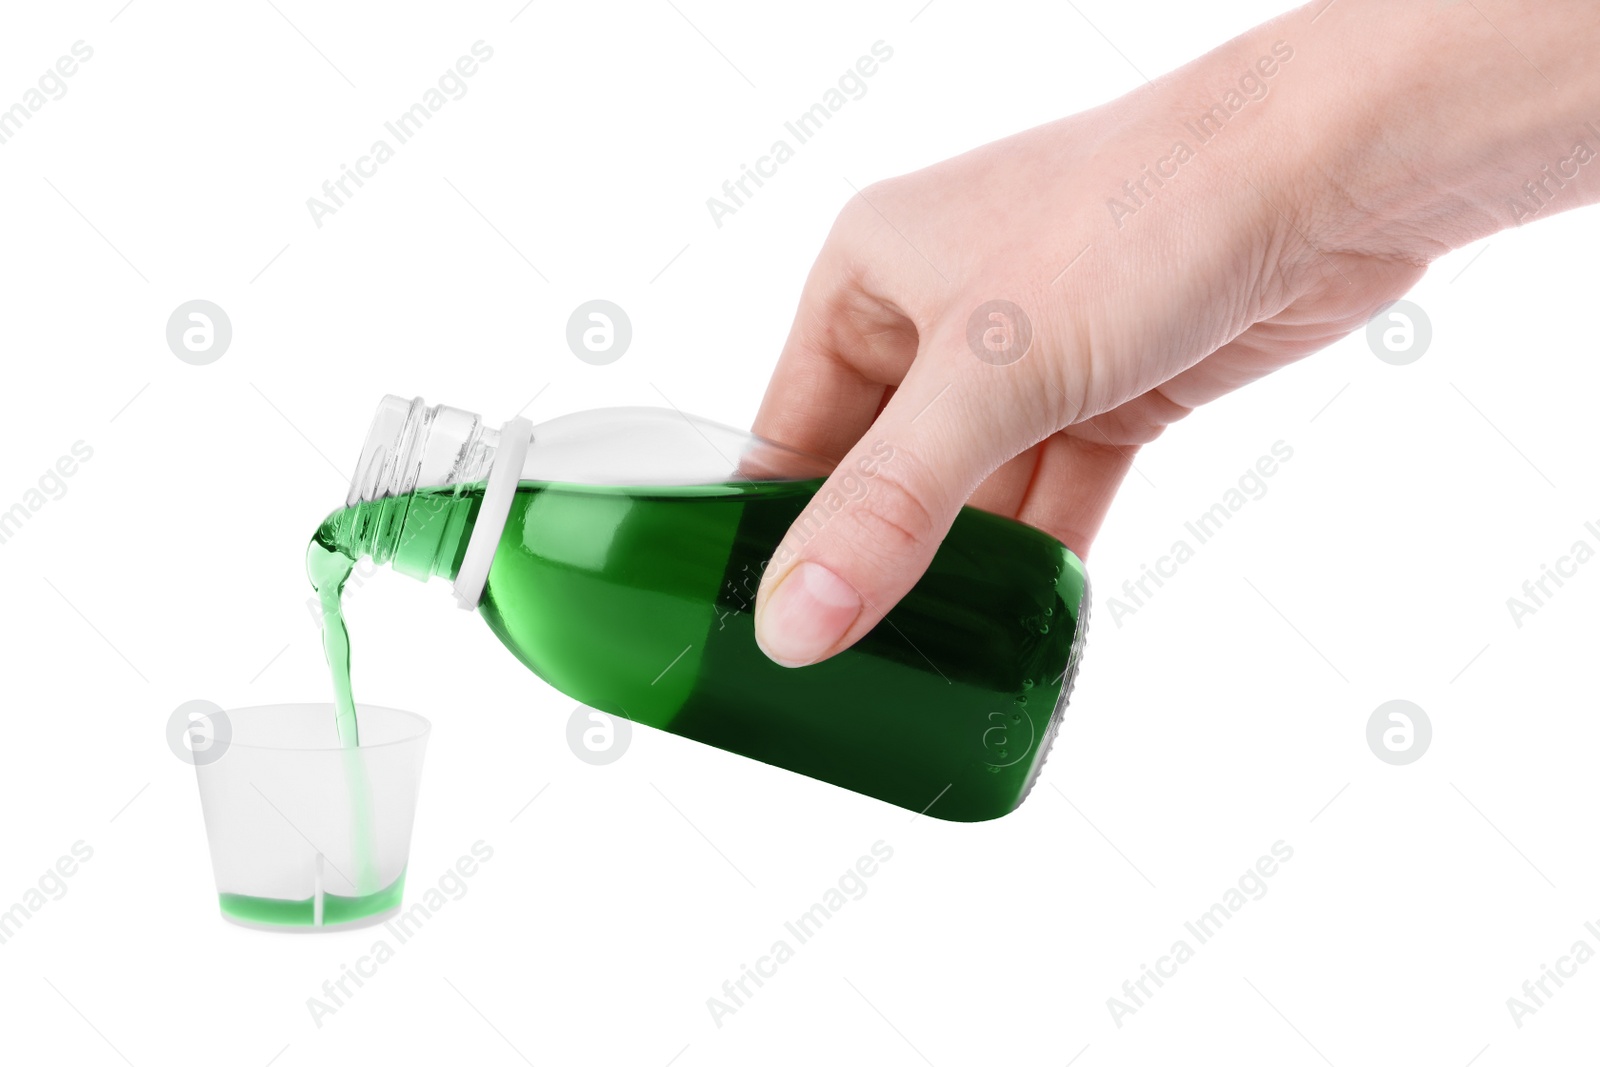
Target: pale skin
<point>1393,132</point>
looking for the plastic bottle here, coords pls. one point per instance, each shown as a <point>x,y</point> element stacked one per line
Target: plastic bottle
<point>617,554</point>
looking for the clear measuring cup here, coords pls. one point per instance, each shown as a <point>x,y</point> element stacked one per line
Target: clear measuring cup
<point>304,833</point>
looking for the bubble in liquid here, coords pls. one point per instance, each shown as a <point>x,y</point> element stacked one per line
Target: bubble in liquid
<point>1027,683</point>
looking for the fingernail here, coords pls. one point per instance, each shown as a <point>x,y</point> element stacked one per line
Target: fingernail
<point>806,615</point>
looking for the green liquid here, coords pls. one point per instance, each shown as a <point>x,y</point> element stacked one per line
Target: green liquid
<point>328,569</point>
<point>335,909</point>
<point>638,601</point>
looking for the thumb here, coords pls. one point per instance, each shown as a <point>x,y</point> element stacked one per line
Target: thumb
<point>870,531</point>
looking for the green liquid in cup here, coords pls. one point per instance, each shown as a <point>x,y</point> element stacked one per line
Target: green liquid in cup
<point>335,909</point>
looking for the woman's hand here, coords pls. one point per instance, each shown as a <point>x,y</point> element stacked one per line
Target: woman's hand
<point>1011,325</point>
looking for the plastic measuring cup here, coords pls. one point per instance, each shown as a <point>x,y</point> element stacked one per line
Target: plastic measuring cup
<point>304,833</point>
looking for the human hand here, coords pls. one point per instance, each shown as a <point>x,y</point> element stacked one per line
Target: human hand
<point>1284,229</point>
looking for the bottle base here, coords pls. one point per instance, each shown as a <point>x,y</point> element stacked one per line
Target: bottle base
<point>1068,680</point>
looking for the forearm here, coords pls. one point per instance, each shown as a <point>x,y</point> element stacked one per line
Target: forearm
<point>1433,125</point>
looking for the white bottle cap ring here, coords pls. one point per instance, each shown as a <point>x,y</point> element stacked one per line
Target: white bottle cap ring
<point>505,471</point>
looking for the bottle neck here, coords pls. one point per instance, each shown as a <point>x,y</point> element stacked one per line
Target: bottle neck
<point>417,488</point>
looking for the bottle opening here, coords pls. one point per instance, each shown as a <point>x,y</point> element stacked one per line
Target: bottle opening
<point>413,446</point>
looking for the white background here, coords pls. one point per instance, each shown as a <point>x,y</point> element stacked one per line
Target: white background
<point>1227,714</point>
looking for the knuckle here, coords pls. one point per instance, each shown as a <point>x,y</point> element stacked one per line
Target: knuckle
<point>891,521</point>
